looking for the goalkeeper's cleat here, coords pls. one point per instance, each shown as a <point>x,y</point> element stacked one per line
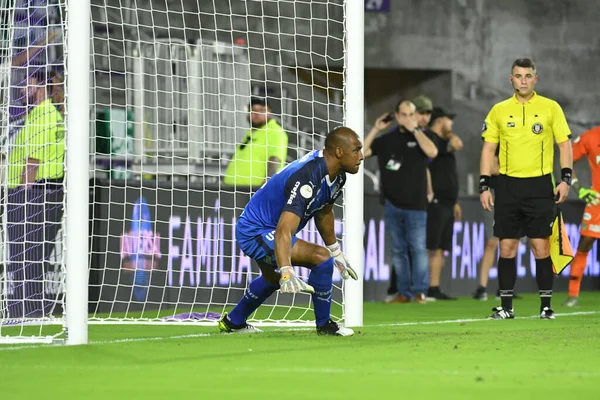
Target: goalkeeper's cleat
<point>547,313</point>
<point>571,301</point>
<point>333,329</point>
<point>290,283</point>
<point>225,326</point>
<point>501,313</point>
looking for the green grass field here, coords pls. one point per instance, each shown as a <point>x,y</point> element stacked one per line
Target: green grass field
<point>437,350</point>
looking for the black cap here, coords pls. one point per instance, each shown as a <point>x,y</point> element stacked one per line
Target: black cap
<point>439,112</point>
<point>260,101</point>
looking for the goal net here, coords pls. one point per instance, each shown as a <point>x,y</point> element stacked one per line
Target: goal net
<point>32,169</point>
<point>172,84</point>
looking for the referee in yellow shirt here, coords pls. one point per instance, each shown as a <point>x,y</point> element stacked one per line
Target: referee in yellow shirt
<point>34,209</point>
<point>525,127</point>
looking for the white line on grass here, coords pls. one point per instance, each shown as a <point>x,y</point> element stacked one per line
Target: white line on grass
<point>433,371</point>
<point>127,340</point>
<point>196,335</point>
<point>454,321</point>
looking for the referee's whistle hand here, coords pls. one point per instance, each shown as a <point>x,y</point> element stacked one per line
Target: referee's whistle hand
<point>487,201</point>
<point>561,192</point>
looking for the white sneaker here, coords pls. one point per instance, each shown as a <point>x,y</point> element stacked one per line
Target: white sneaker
<point>390,297</point>
<point>333,329</point>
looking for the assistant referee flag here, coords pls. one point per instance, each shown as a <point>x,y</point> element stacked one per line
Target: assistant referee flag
<point>561,252</point>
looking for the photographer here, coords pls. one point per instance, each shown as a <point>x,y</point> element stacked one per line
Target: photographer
<point>402,157</point>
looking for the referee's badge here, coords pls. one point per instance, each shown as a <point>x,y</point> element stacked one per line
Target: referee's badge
<point>537,128</point>
<point>484,127</point>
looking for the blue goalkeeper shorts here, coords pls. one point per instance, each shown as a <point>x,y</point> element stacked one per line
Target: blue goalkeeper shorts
<point>259,247</point>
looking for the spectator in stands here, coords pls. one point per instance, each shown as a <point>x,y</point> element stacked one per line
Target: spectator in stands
<point>262,152</point>
<point>13,78</point>
<point>57,90</point>
<point>402,156</point>
<point>444,209</point>
<point>423,106</point>
<point>35,197</point>
<point>36,40</point>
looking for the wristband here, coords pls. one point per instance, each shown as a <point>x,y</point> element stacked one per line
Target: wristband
<point>484,183</point>
<point>334,247</point>
<point>566,175</point>
<point>286,272</point>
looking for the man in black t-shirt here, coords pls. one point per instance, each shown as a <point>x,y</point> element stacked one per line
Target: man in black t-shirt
<point>424,107</point>
<point>402,157</point>
<point>444,209</point>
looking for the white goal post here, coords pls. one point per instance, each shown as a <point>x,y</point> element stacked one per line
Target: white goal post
<point>151,123</point>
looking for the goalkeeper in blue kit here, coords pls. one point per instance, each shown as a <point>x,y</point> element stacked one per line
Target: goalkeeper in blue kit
<point>305,189</point>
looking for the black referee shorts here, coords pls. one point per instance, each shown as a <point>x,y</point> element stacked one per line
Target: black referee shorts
<point>440,226</point>
<point>524,207</point>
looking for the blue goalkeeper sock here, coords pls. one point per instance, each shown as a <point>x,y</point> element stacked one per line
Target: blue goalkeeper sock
<point>321,279</point>
<point>255,294</point>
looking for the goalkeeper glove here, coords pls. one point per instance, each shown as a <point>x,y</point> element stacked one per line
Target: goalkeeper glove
<point>341,263</point>
<point>290,283</point>
<point>590,196</point>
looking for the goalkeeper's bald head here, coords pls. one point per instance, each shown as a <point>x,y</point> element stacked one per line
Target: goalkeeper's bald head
<point>339,137</point>
<point>344,145</point>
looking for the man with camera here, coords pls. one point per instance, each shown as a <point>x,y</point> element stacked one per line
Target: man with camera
<point>402,154</point>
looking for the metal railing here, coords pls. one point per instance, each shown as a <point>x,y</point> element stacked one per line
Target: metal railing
<point>190,100</point>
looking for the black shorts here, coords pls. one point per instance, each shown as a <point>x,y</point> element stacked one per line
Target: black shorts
<point>524,207</point>
<point>440,226</point>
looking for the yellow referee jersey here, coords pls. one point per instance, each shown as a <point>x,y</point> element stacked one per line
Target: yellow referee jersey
<point>526,134</point>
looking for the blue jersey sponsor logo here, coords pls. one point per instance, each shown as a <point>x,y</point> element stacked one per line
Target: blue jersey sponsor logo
<point>303,188</point>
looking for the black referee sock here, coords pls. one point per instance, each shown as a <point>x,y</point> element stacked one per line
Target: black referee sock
<point>545,280</point>
<point>507,277</point>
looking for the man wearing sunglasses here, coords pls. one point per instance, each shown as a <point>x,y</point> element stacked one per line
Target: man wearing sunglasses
<point>262,152</point>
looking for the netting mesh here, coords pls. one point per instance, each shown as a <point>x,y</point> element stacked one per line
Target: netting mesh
<point>33,134</point>
<point>173,84</point>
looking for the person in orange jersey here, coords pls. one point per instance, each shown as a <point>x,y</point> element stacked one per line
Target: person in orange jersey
<point>586,145</point>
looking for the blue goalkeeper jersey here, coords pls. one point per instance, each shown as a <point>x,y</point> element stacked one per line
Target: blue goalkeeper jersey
<point>303,188</point>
